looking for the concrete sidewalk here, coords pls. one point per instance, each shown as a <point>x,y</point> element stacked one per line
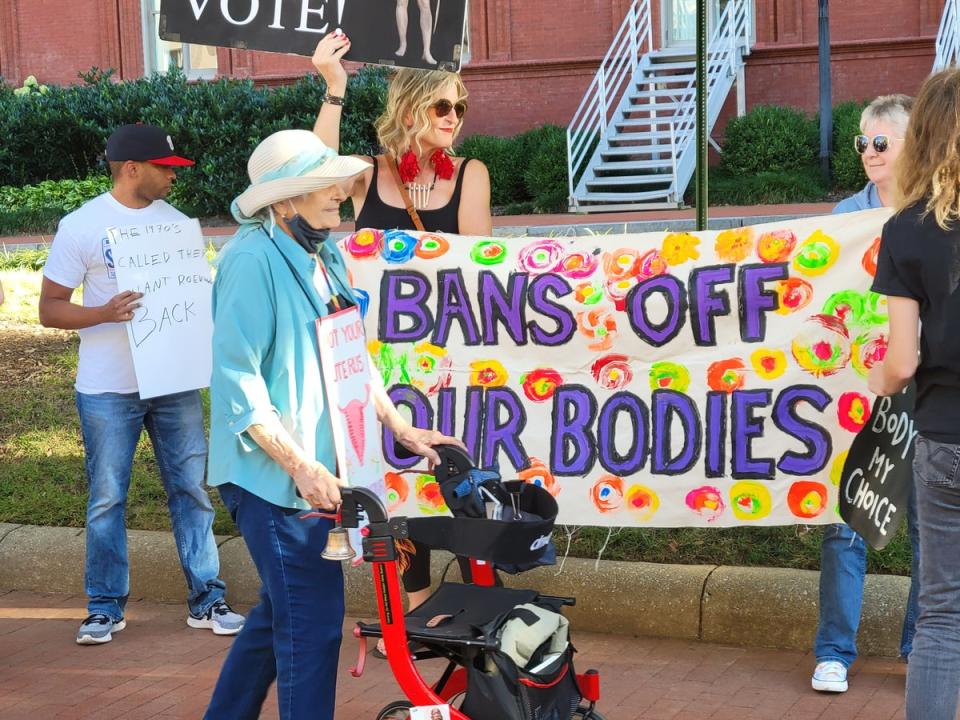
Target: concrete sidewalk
<point>160,669</point>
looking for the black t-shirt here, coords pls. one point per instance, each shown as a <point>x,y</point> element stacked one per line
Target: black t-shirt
<point>920,260</point>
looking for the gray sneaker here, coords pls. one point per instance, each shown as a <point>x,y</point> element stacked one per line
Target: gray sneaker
<point>219,618</point>
<point>98,629</point>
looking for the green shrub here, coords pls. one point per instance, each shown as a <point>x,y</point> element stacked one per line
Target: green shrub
<point>769,139</point>
<point>61,134</point>
<point>497,154</point>
<point>783,186</point>
<point>62,195</point>
<point>848,171</point>
<point>23,259</point>
<point>546,173</point>
<point>40,221</point>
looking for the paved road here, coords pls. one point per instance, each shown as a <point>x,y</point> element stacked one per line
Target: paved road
<point>159,669</point>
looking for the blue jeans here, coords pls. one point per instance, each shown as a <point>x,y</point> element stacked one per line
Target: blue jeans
<point>293,634</point>
<point>933,678</point>
<point>111,424</point>
<point>843,568</point>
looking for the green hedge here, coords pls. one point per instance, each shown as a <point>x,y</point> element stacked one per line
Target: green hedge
<point>528,171</point>
<point>61,134</point>
<point>770,139</point>
<point>848,171</point>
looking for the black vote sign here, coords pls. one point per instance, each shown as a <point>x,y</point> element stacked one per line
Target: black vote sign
<point>434,36</point>
<point>878,475</point>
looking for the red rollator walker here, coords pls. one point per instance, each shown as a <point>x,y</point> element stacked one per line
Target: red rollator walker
<point>501,662</point>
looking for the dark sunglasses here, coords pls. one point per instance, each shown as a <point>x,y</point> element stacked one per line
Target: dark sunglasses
<point>443,107</point>
<point>880,143</point>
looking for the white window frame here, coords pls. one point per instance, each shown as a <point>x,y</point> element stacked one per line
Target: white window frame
<point>150,13</point>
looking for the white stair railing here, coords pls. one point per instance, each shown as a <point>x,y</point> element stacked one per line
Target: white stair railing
<point>948,37</point>
<point>618,67</point>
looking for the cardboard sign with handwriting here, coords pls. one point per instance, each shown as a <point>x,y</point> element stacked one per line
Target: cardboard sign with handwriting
<point>170,334</point>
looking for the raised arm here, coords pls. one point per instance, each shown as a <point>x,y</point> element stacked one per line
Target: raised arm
<point>328,60</point>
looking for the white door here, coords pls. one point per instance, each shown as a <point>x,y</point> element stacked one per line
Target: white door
<point>680,21</point>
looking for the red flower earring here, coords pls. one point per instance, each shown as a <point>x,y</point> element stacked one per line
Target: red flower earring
<point>409,167</point>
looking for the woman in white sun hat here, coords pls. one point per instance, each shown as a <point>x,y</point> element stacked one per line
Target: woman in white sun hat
<point>271,448</point>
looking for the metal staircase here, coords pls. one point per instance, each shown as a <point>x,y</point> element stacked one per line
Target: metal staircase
<point>631,143</point>
<point>948,37</point>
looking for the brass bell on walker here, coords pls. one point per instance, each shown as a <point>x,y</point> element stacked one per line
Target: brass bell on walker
<point>338,546</point>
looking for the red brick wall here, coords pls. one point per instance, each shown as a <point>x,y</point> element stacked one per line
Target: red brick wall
<point>532,59</point>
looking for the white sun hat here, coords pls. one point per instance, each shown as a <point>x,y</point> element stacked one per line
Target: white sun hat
<point>288,164</point>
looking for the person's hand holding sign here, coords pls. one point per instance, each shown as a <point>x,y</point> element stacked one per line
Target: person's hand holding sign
<point>120,307</point>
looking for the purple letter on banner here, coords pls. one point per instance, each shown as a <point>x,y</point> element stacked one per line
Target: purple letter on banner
<point>422,413</point>
<point>676,300</point>
<point>504,435</point>
<point>395,304</point>
<point>573,450</point>
<point>816,439</point>
<point>755,300</point>
<point>705,304</point>
<point>746,427</point>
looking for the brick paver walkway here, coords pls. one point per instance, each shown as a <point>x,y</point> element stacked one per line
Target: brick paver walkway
<point>158,668</point>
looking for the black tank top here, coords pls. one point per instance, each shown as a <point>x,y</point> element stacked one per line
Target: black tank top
<point>377,214</point>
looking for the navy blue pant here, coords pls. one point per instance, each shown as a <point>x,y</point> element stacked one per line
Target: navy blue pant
<point>293,634</point>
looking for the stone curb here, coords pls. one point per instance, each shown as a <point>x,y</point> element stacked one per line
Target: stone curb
<point>763,607</point>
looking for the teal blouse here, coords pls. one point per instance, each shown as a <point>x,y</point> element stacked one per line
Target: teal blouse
<point>266,360</point>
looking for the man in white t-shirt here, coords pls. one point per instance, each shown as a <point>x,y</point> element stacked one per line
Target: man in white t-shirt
<point>112,415</point>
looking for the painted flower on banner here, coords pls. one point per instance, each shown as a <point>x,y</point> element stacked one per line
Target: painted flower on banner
<point>869,260</point>
<point>612,372</point>
<point>853,411</point>
<point>823,346</point>
<point>867,350</point>
<point>398,246</point>
<point>816,255</point>
<point>667,375</point>
<point>807,499</point>
<point>776,246</point>
<point>651,264</point>
<point>642,502</point>
<point>539,474</point>
<point>578,265</point>
<point>793,294</point>
<point>386,362</point>
<point>707,502</point>
<point>398,489</point>
<point>768,363</point>
<point>588,293</point>
<point>727,375</point>
<point>620,264</point>
<point>540,384</point>
<point>488,252</point>
<point>431,246</point>
<point>607,493</point>
<point>541,256</point>
<point>836,467</point>
<point>364,244</point>
<point>617,291</point>
<point>750,500</point>
<point>875,309</point>
<point>679,248</point>
<point>429,498</point>
<point>734,245</point>
<point>431,368</point>
<point>600,326</point>
<point>848,306</point>
<point>488,373</point>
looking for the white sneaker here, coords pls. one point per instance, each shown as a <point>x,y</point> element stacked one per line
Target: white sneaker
<point>98,629</point>
<point>830,676</point>
<point>219,618</point>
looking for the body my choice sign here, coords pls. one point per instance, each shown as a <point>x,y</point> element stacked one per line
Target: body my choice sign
<point>664,379</point>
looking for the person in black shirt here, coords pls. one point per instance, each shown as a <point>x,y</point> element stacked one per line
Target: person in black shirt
<point>919,271</point>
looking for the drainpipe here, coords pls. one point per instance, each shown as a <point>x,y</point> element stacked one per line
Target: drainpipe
<point>826,108</point>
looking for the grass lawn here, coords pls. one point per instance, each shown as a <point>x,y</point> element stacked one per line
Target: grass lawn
<point>42,478</point>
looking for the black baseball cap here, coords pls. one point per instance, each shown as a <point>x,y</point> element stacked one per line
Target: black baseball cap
<point>143,143</point>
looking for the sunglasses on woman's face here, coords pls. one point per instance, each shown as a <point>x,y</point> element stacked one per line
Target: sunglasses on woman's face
<point>881,143</point>
<point>443,107</point>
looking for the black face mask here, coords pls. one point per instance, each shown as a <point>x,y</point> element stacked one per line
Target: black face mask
<point>307,236</point>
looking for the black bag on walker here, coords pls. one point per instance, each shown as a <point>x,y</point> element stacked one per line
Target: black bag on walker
<point>543,688</point>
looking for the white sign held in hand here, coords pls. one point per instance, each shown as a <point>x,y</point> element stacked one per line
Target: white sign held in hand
<point>170,334</point>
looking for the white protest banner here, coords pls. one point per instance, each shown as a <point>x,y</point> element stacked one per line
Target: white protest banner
<point>665,379</point>
<point>170,334</point>
<point>348,385</point>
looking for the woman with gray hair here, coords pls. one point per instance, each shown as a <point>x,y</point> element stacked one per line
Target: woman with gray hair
<point>271,438</point>
<point>843,555</point>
